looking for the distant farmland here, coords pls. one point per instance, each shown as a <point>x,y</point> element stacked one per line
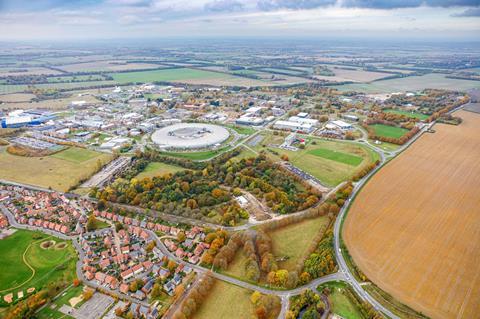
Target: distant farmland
<point>411,83</point>
<point>184,75</point>
<point>414,228</point>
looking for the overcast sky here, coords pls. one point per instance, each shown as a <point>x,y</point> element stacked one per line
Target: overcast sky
<point>81,19</point>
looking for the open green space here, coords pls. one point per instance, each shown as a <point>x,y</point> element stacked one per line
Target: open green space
<point>196,156</point>
<point>340,302</point>
<point>59,171</point>
<point>388,130</point>
<point>244,153</point>
<point>52,311</point>
<point>76,154</point>
<point>245,130</point>
<point>389,147</point>
<point>414,115</point>
<point>292,242</point>
<point>333,167</point>
<point>226,301</point>
<point>168,75</point>
<point>337,156</point>
<point>157,169</point>
<point>25,263</point>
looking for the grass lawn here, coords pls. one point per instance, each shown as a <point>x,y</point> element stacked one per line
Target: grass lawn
<point>52,313</point>
<point>59,171</point>
<point>196,156</point>
<point>294,240</point>
<point>100,224</point>
<point>389,147</point>
<point>158,169</point>
<point>332,162</point>
<point>340,302</point>
<point>244,153</point>
<point>26,264</point>
<point>337,156</point>
<point>226,301</point>
<point>237,267</point>
<point>242,129</point>
<point>76,155</point>
<point>414,115</point>
<point>388,130</point>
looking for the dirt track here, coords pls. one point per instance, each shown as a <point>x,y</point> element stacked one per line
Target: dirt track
<point>414,229</point>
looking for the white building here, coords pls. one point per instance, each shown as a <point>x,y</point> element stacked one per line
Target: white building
<point>293,126</point>
<point>340,125</point>
<point>250,120</point>
<point>303,120</point>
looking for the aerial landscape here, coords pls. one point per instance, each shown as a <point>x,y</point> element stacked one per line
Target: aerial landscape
<point>215,159</point>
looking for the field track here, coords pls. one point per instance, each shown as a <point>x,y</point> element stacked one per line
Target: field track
<point>414,229</point>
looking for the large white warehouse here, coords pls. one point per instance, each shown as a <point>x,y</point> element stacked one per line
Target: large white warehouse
<point>190,136</point>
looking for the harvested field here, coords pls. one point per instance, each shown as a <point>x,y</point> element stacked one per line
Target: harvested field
<point>107,66</point>
<point>412,83</point>
<point>357,75</point>
<point>414,228</point>
<point>26,71</point>
<point>18,97</point>
<point>60,172</point>
<point>54,104</point>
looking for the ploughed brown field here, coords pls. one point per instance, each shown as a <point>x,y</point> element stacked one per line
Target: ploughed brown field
<point>414,229</point>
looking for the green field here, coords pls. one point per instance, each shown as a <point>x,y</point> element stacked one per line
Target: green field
<point>60,171</point>
<point>158,169</point>
<point>388,130</point>
<point>337,156</point>
<point>51,311</point>
<point>414,115</point>
<point>411,83</point>
<point>340,303</point>
<point>329,161</point>
<point>294,240</point>
<point>76,155</point>
<point>26,264</point>
<point>196,156</point>
<point>389,147</point>
<point>242,129</point>
<point>226,301</point>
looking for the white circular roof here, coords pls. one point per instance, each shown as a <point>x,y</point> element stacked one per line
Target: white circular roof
<point>190,135</point>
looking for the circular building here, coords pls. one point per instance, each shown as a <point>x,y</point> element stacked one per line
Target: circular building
<point>190,136</point>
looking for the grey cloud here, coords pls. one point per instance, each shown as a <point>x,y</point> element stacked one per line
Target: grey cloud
<point>472,12</point>
<point>224,6</point>
<point>268,5</point>
<point>396,4</point>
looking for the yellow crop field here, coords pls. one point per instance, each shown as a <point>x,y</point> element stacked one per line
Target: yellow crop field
<point>414,229</point>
